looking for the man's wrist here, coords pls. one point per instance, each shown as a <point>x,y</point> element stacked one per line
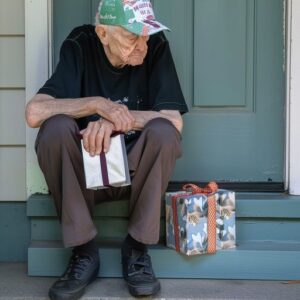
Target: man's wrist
<point>96,104</point>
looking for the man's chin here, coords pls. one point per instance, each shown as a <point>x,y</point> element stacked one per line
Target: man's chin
<point>135,61</point>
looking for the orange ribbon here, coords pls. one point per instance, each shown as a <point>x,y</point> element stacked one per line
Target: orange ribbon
<point>209,189</point>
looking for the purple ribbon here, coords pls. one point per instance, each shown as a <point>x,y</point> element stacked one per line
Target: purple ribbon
<point>103,166</point>
<point>103,162</point>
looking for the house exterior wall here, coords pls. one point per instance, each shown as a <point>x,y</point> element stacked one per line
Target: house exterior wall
<point>14,143</point>
<point>14,165</point>
<point>38,12</point>
<point>12,101</point>
<point>14,225</point>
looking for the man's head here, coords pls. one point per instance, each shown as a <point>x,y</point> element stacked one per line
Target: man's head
<point>123,27</point>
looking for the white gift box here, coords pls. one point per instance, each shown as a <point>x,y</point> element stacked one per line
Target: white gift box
<point>107,169</point>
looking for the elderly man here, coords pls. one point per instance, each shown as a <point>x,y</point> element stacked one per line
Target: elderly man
<point>116,76</point>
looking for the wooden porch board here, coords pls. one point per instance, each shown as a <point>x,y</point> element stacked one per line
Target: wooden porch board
<point>252,260</point>
<point>116,227</point>
<point>248,205</point>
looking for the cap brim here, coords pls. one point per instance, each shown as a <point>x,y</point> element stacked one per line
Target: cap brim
<point>145,28</point>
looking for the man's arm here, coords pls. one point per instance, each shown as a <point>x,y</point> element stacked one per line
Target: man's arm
<point>96,136</point>
<point>143,117</point>
<point>42,106</point>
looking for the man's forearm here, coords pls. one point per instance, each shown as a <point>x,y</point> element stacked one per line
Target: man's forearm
<point>43,107</point>
<point>143,117</point>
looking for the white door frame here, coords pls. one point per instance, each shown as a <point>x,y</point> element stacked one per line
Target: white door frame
<point>293,96</point>
<point>38,41</point>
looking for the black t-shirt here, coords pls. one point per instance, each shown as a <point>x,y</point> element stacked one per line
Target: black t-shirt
<point>84,71</point>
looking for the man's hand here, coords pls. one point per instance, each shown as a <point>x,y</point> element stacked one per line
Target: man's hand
<point>96,137</point>
<point>117,113</point>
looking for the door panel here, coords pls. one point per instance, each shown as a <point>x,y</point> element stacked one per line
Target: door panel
<point>234,84</point>
<point>229,58</point>
<point>223,60</point>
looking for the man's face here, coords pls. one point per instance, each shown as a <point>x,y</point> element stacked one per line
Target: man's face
<point>126,47</point>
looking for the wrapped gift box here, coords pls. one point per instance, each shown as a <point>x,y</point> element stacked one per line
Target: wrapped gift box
<point>197,223</point>
<point>107,169</point>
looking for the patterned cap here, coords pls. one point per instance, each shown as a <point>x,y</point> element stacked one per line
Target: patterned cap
<point>136,16</point>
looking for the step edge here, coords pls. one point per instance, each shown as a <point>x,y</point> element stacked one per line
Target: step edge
<point>288,207</point>
<point>252,245</point>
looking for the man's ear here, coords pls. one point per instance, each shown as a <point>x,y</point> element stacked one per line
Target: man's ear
<point>102,33</point>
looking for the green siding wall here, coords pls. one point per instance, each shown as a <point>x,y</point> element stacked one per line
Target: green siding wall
<point>14,232</point>
<point>12,102</point>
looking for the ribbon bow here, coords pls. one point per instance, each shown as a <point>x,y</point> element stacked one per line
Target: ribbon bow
<point>210,188</point>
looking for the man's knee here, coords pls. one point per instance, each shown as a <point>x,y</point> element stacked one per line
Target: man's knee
<point>56,130</point>
<point>162,135</point>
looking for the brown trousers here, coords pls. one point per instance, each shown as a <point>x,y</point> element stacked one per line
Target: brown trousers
<point>151,162</point>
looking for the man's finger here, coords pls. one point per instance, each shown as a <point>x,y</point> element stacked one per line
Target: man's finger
<point>99,140</point>
<point>85,138</point>
<point>106,140</point>
<point>92,138</point>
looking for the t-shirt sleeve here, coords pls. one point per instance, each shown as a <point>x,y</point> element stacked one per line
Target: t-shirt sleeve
<point>65,82</point>
<point>164,87</point>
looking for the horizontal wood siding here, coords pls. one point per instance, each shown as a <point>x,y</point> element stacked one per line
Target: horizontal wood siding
<point>12,17</point>
<point>12,119</point>
<point>12,62</point>
<point>12,174</point>
<point>12,101</point>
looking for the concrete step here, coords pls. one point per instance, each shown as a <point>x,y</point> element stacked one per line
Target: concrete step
<point>16,285</point>
<point>252,260</point>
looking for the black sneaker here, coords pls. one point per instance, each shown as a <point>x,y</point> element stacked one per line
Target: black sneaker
<point>82,270</point>
<point>139,275</point>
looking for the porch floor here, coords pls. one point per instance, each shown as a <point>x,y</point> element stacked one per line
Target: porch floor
<point>16,285</point>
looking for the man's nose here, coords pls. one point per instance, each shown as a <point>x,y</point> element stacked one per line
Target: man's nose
<point>142,43</point>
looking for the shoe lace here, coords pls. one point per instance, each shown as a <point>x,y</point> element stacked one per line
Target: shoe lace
<point>76,267</point>
<point>140,264</point>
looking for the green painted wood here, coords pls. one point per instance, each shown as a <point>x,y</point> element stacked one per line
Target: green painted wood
<point>248,205</point>
<point>267,261</point>
<point>115,228</point>
<point>265,205</point>
<point>14,232</point>
<point>108,228</point>
<point>230,138</point>
<point>42,205</point>
<point>278,230</point>
<point>224,46</point>
<point>180,39</point>
<point>68,14</point>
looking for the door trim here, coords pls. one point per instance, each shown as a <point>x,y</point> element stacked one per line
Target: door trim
<point>292,96</point>
<point>38,43</point>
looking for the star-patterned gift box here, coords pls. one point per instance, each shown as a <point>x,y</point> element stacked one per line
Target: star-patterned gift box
<point>198,223</point>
